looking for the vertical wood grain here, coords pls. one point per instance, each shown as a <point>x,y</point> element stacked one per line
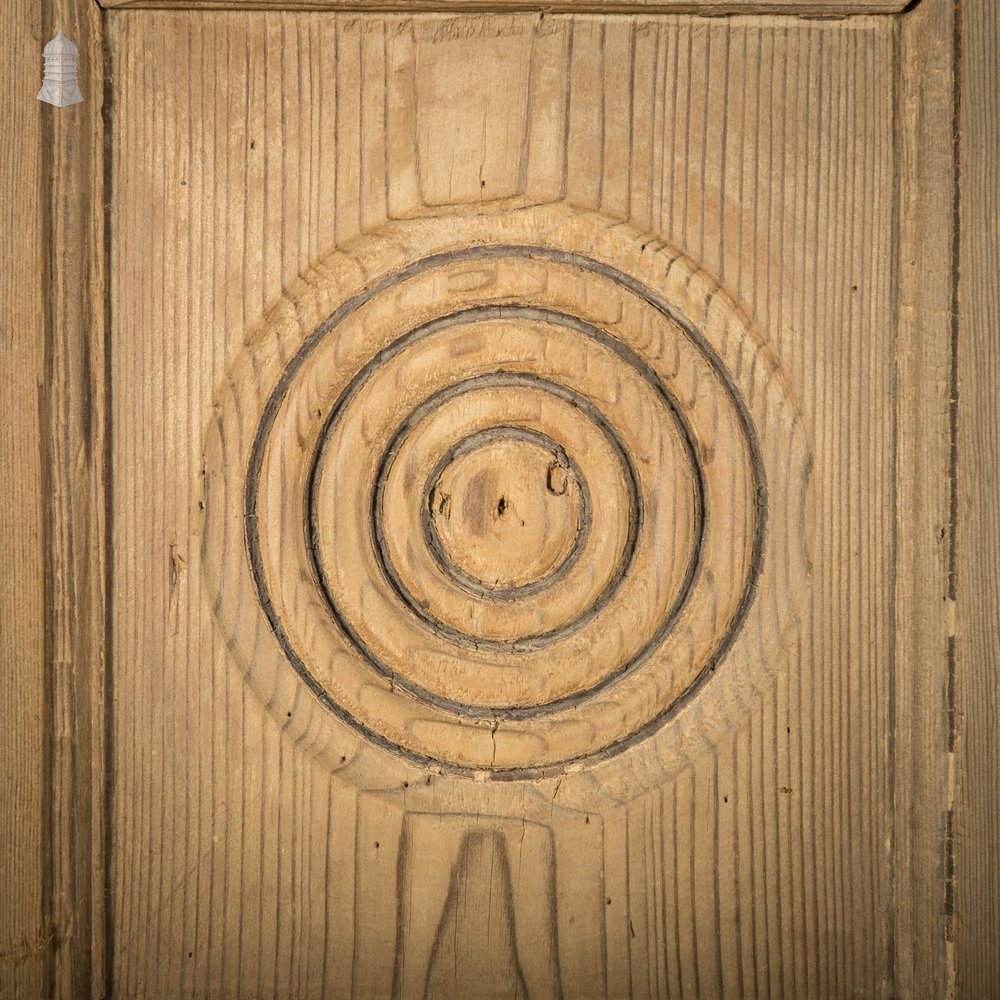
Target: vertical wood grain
<point>762,146</point>
<point>775,147</point>
<point>924,745</point>
<point>53,612</point>
<point>976,869</point>
<point>25,933</point>
<point>73,415</point>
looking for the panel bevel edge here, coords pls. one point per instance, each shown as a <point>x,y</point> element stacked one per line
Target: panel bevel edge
<point>74,430</point>
<point>812,8</point>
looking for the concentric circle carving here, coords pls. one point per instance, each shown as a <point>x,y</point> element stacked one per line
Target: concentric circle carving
<point>504,501</point>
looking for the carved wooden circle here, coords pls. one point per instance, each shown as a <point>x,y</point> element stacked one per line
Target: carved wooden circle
<point>504,502</point>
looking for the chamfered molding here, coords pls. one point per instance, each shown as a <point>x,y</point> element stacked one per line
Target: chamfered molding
<point>813,7</point>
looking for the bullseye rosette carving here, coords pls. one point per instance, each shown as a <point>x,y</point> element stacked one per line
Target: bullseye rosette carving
<point>496,493</point>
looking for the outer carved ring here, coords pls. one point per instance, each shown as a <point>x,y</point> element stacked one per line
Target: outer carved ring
<point>346,626</point>
<point>513,741</point>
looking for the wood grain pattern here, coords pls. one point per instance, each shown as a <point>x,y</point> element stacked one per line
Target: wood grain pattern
<point>73,413</point>
<point>924,774</point>
<point>836,8</point>
<point>759,865</point>
<point>976,869</point>
<point>51,912</point>
<point>25,937</point>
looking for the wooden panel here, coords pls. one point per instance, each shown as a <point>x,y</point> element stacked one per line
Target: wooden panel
<point>24,935</point>
<point>976,870</point>
<point>837,8</point>
<point>248,862</point>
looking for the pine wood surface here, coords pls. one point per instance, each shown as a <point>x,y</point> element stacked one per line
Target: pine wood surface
<point>923,785</point>
<point>24,936</point>
<point>816,817</point>
<point>51,914</point>
<point>758,864</point>
<point>976,887</point>
<point>834,8</point>
<point>75,485</point>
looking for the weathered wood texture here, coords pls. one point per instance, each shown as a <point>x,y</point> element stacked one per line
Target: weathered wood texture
<point>976,870</point>
<point>924,777</point>
<point>24,934</point>
<point>51,900</point>
<point>244,149</point>
<point>809,7</point>
<point>73,413</point>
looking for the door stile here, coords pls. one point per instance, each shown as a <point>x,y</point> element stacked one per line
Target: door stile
<point>922,731</point>
<point>76,493</point>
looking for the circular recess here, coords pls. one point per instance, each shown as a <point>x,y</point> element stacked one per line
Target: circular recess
<point>506,510</point>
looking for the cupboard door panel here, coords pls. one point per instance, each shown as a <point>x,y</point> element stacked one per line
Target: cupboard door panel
<point>504,456</point>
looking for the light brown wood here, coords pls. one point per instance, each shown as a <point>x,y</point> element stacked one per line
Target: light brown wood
<point>923,782</point>
<point>75,481</point>
<point>25,934</point>
<point>471,331</point>
<point>53,793</point>
<point>541,470</point>
<point>836,8</point>
<point>976,873</point>
<point>744,848</point>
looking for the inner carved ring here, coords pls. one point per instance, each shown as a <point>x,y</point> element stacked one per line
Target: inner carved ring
<point>566,471</point>
<point>535,640</point>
